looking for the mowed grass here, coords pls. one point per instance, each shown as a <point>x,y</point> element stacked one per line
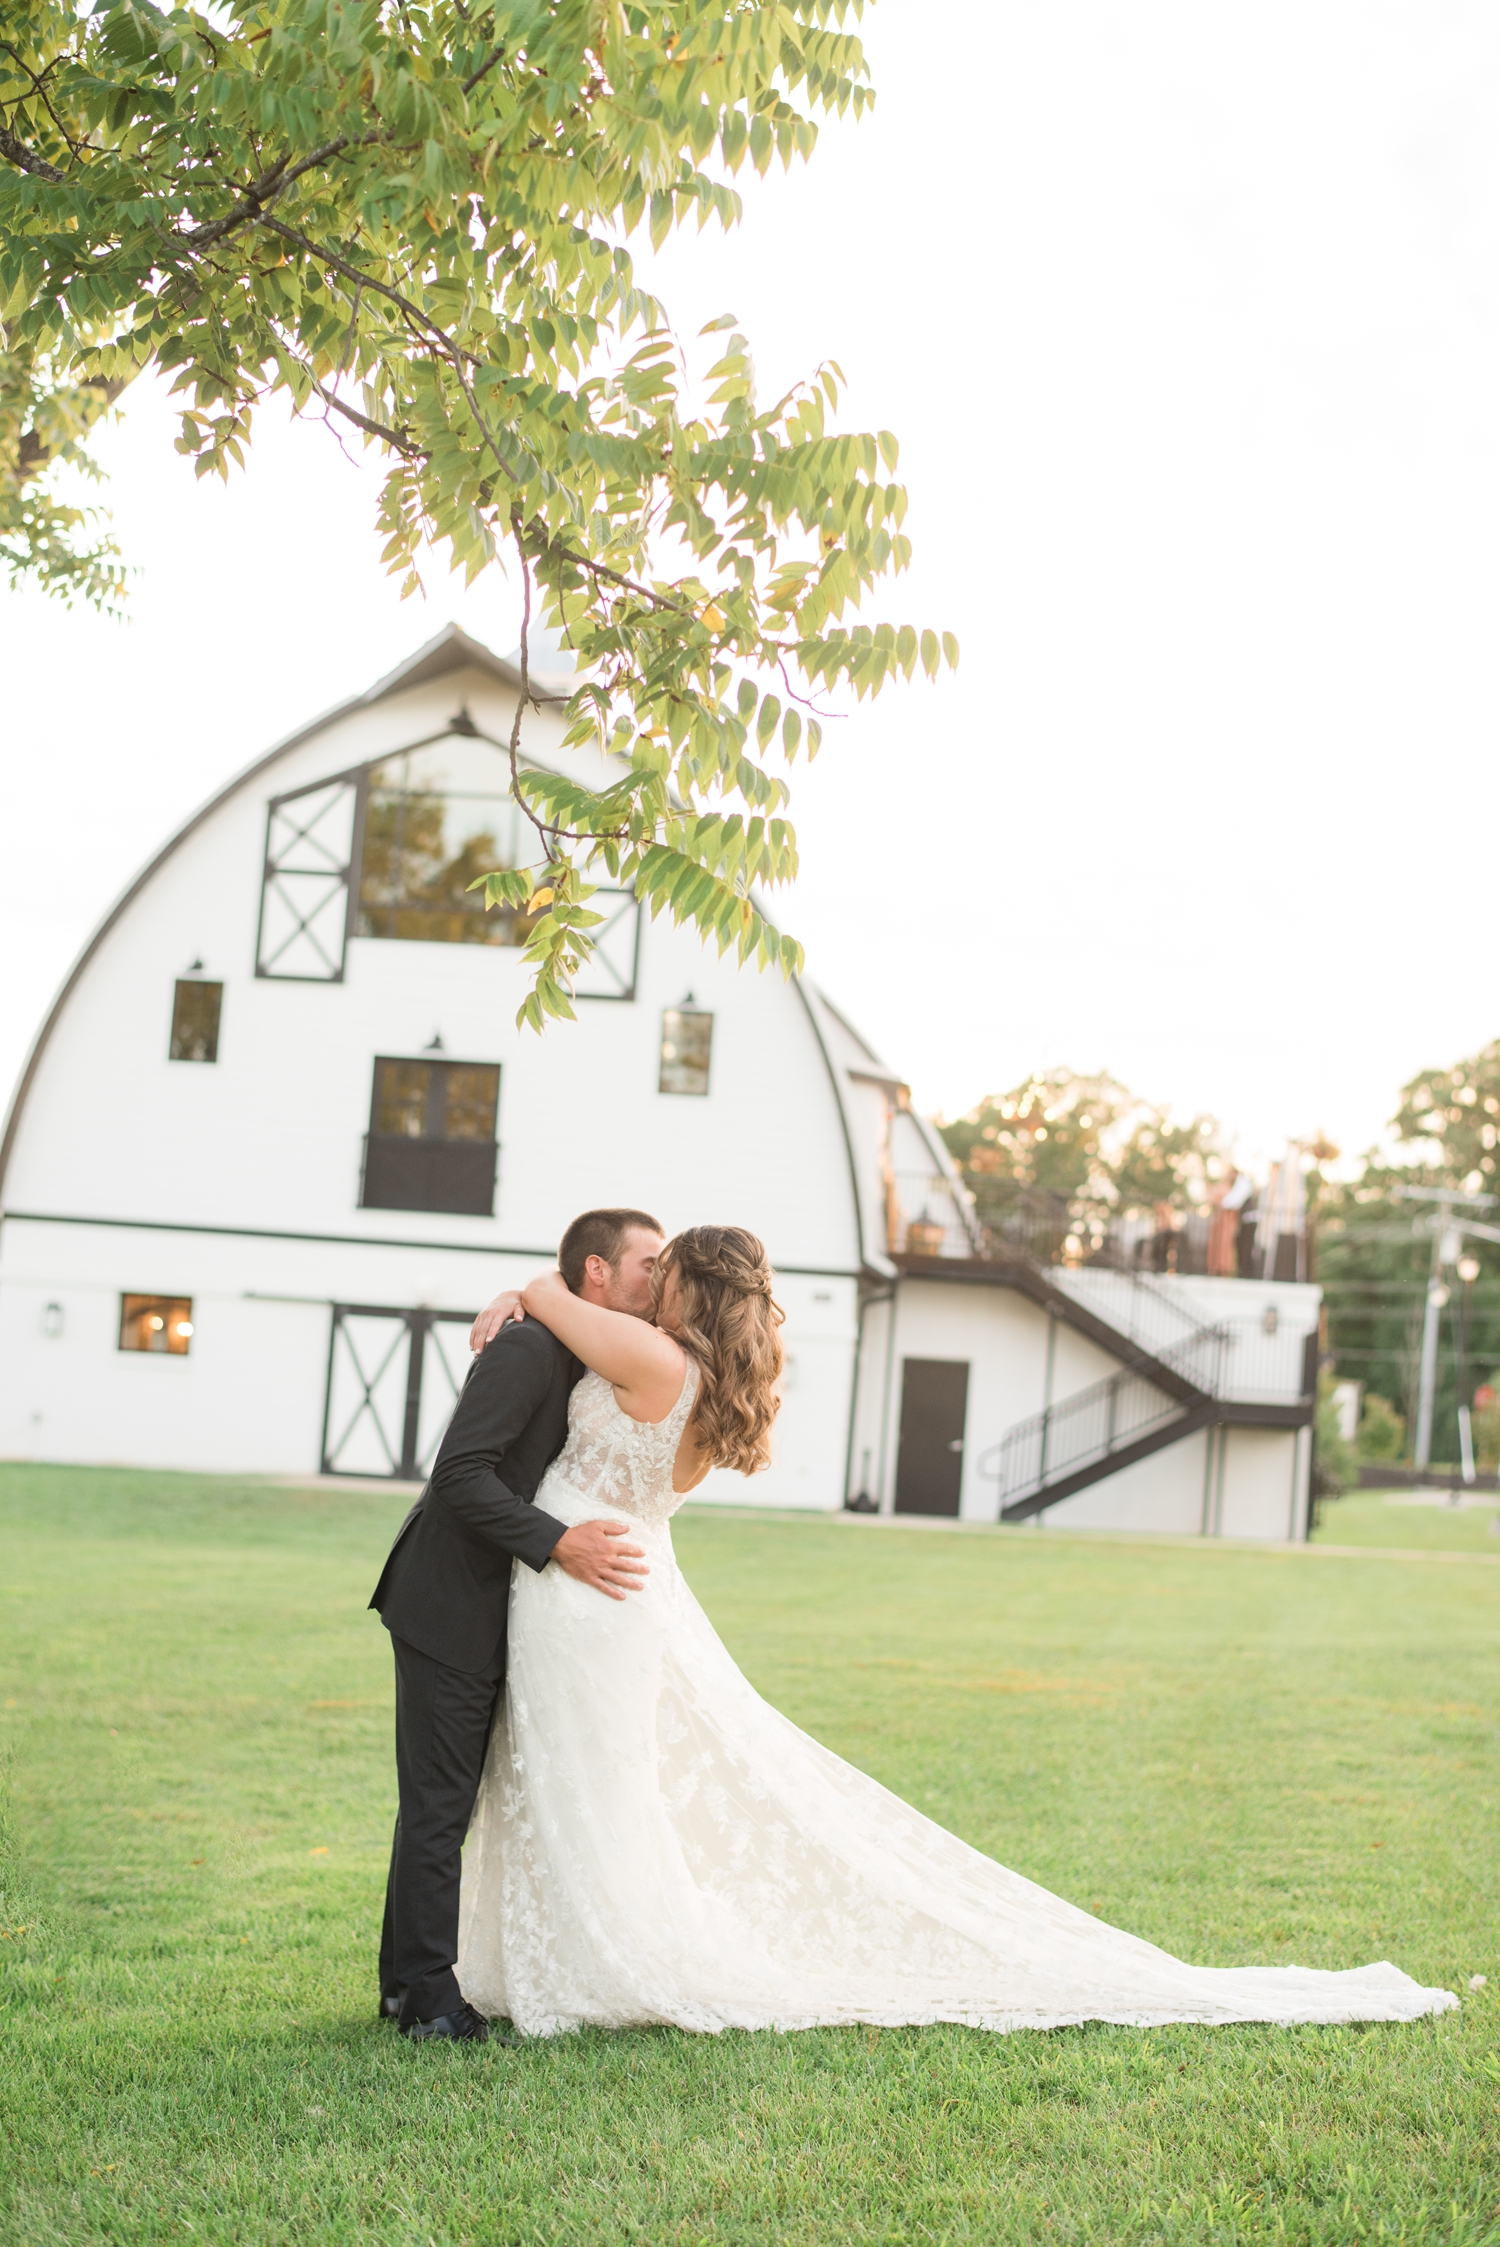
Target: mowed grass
<point>1250,1757</point>
<point>1368,1518</point>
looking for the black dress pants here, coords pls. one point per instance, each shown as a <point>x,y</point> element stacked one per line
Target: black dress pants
<point>443,1720</point>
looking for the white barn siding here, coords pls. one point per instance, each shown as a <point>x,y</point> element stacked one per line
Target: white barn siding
<point>208,1172</point>
<point>237,1184</point>
<point>1164,1492</point>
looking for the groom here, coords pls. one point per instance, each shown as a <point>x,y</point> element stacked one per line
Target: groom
<point>445,1588</point>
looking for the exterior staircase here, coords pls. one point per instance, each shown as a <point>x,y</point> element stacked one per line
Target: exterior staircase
<point>1175,1377</point>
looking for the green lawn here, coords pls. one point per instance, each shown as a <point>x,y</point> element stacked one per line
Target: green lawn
<point>1367,1518</point>
<point>1247,1756</point>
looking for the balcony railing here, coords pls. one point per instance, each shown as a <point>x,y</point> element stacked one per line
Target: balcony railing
<point>931,1215</point>
<point>456,1176</point>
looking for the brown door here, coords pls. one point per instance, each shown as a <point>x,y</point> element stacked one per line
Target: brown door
<point>930,1460</point>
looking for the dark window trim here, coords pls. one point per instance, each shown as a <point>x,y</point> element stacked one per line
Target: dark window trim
<point>432,1061</point>
<point>352,777</point>
<point>213,983</point>
<point>628,995</point>
<point>470,1158</point>
<point>358,777</point>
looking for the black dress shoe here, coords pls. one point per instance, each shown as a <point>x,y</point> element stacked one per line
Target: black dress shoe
<point>463,2027</point>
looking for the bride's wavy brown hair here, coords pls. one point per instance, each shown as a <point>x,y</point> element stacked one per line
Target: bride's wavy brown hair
<point>729,1329</point>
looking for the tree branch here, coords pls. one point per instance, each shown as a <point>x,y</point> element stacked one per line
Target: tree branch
<point>336,264</point>
<point>483,71</point>
<point>397,439</point>
<point>16,152</point>
<point>273,184</point>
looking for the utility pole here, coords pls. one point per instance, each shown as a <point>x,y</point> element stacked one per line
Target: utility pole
<point>1445,1247</point>
<point>1468,1272</point>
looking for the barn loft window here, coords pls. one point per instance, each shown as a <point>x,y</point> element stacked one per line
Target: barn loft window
<point>436,819</point>
<point>431,1143</point>
<point>389,852</point>
<point>162,1323</point>
<point>195,1021</point>
<point>686,1037</point>
<point>439,816</point>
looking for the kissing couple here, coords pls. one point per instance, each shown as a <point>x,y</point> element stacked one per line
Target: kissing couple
<point>642,1838</point>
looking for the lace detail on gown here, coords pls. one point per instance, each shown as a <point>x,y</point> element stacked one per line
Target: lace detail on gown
<point>623,1465</point>
<point>653,1842</point>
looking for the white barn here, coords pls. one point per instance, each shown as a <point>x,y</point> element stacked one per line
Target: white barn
<point>278,1138</point>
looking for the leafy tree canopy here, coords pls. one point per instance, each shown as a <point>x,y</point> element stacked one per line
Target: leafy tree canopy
<point>1451,1117</point>
<point>1375,1248</point>
<point>410,218</point>
<point>1080,1139</point>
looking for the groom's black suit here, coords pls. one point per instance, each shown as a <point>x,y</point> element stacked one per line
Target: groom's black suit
<point>443,1596</point>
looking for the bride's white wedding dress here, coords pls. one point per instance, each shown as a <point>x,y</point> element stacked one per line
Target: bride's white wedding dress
<point>653,1842</point>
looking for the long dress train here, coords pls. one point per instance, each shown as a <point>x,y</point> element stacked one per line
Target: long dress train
<point>653,1842</point>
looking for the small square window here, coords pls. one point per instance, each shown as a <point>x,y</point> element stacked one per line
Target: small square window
<point>195,1021</point>
<point>686,1036</point>
<point>157,1322</point>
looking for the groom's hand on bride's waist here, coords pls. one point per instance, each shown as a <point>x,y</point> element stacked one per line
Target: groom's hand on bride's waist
<point>592,1552</point>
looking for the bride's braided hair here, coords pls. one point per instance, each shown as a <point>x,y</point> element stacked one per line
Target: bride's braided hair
<point>729,1329</point>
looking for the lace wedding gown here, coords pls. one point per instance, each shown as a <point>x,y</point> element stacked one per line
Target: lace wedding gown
<point>654,1843</point>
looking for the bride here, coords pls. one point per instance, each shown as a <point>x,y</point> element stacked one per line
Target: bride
<point>653,1842</point>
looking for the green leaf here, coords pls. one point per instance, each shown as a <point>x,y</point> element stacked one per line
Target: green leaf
<point>767,720</point>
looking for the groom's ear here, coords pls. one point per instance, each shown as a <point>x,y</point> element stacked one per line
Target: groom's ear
<point>596,1271</point>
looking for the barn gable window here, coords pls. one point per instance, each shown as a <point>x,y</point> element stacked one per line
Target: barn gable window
<point>431,1142</point>
<point>311,837</point>
<point>157,1323</point>
<point>437,818</point>
<point>686,1039</point>
<point>196,1008</point>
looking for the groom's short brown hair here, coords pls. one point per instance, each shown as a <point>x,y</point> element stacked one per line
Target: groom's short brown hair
<point>599,1232</point>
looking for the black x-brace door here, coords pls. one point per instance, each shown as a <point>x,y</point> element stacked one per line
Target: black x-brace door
<point>393,1378</point>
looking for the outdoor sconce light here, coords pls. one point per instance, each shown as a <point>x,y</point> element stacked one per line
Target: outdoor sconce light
<point>52,1321</point>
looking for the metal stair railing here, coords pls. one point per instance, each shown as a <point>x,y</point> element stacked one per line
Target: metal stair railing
<point>1110,1416</point>
<point>1151,1317</point>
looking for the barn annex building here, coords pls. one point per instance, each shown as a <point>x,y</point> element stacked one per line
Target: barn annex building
<point>278,1139</point>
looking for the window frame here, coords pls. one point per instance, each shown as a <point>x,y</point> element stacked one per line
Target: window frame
<point>614,903</point>
<point>684,1092</point>
<point>194,1060</point>
<point>382,1144</point>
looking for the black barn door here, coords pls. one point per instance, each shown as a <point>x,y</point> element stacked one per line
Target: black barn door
<point>930,1460</point>
<point>393,1379</point>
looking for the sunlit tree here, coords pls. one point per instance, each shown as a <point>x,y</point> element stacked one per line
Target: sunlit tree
<point>412,221</point>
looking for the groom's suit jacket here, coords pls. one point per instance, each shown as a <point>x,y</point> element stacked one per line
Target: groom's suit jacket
<point>445,1586</point>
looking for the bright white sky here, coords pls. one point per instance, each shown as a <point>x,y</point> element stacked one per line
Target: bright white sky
<point>1188,319</point>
